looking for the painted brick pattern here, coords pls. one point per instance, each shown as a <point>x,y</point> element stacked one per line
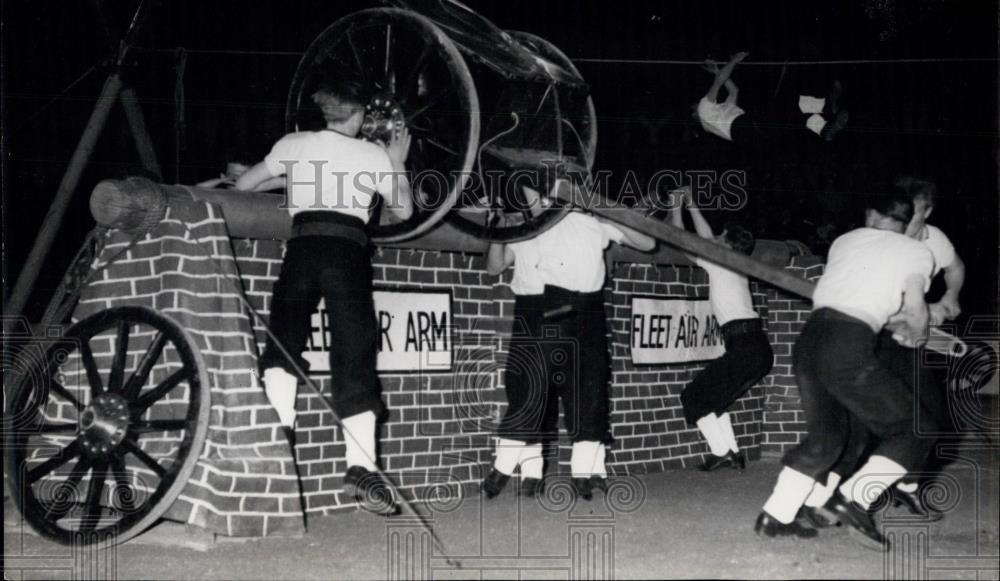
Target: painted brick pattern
<point>244,481</point>
<point>440,426</point>
<point>783,421</point>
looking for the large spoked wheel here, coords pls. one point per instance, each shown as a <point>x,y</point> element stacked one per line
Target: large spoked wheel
<point>579,117</point>
<point>105,426</point>
<point>419,78</point>
<point>576,137</point>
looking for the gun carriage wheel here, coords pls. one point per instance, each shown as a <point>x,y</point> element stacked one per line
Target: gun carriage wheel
<point>104,425</point>
<point>418,78</point>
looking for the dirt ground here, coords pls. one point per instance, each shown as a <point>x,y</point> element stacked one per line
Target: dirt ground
<point>679,524</point>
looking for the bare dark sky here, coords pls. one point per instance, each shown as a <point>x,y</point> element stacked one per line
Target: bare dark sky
<point>935,118</point>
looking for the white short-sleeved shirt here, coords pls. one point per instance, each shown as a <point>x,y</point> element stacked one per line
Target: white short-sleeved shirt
<point>331,172</point>
<point>729,293</point>
<point>717,118</point>
<point>940,246</point>
<point>569,255</point>
<point>866,273</point>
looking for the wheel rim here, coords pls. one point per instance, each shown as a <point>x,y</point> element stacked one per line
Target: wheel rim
<point>576,122</point>
<point>409,62</point>
<point>107,427</point>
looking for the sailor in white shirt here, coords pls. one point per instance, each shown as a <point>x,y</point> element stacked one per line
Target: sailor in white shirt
<point>333,180</point>
<point>748,357</point>
<point>908,362</point>
<point>558,349</point>
<point>875,277</point>
<point>730,122</point>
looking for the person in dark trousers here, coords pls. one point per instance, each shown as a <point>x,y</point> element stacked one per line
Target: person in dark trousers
<point>875,277</point>
<point>927,385</point>
<point>748,356</point>
<point>333,178</point>
<point>558,349</point>
<point>727,120</point>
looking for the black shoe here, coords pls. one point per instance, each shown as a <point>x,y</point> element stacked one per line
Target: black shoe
<point>598,483</point>
<point>739,460</point>
<point>860,521</point>
<point>767,525</point>
<point>818,517</point>
<point>714,462</point>
<point>915,504</point>
<point>370,491</point>
<point>834,127</point>
<point>493,483</point>
<point>583,488</point>
<point>531,487</point>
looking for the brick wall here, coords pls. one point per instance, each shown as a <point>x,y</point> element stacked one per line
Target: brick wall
<point>440,425</point>
<point>783,423</point>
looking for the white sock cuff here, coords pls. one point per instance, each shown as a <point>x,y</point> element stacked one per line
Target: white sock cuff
<point>822,492</point>
<point>726,427</point>
<point>712,431</point>
<point>359,440</point>
<point>871,480</point>
<point>508,454</point>
<point>531,461</point>
<point>809,104</point>
<point>281,389</point>
<point>584,458</point>
<point>816,123</point>
<point>790,491</point>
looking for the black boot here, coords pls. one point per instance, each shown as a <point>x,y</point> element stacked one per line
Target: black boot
<point>739,460</point>
<point>767,525</point>
<point>493,483</point>
<point>714,462</point>
<point>370,491</point>
<point>915,504</point>
<point>859,519</point>
<point>583,488</point>
<point>818,517</point>
<point>531,487</point>
<point>598,483</point>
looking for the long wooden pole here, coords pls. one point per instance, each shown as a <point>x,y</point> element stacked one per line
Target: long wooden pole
<point>57,211</point>
<point>939,341</point>
<point>684,240</point>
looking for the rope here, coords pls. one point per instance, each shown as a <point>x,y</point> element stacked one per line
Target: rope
<point>633,61</point>
<point>319,393</point>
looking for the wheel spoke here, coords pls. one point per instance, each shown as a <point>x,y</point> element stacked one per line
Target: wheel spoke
<point>390,80</point>
<point>145,458</point>
<point>118,366</point>
<point>93,374</point>
<point>55,386</point>
<point>143,427</point>
<point>413,80</point>
<point>440,145</point>
<point>44,428</point>
<point>64,456</point>
<point>433,102</point>
<point>150,397</point>
<point>94,493</point>
<point>149,359</point>
<point>81,467</point>
<point>120,473</point>
<point>357,58</point>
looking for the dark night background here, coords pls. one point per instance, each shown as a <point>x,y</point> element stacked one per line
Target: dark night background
<point>936,119</point>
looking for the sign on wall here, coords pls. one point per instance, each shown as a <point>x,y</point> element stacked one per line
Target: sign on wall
<point>414,332</point>
<point>673,331</point>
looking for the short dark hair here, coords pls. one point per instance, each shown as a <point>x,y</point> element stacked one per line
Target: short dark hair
<point>739,238</point>
<point>893,201</point>
<point>918,188</point>
<point>339,100</point>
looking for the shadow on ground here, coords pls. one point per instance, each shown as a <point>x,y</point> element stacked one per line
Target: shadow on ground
<point>679,524</point>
